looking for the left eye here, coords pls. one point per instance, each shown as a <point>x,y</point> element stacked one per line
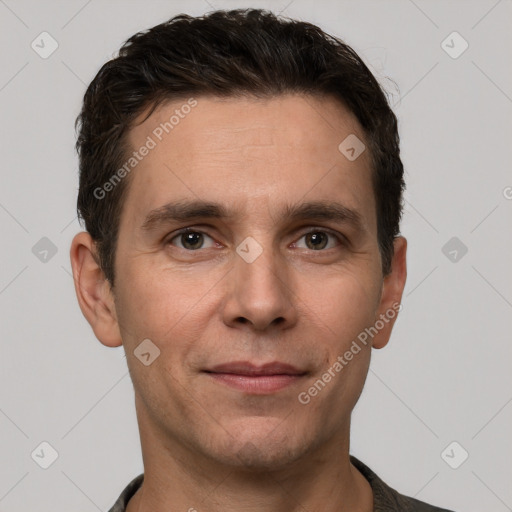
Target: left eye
<point>191,240</point>
<point>318,240</point>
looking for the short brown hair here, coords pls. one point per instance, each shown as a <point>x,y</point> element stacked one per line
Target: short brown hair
<point>227,53</point>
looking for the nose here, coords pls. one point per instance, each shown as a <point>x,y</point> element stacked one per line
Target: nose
<point>259,294</point>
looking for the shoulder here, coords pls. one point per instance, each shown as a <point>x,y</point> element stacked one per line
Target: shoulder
<point>128,492</point>
<point>386,499</point>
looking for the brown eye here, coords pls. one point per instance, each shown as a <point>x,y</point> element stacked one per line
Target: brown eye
<point>191,240</point>
<point>318,240</point>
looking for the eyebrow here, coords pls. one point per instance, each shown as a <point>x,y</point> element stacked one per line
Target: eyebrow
<point>183,211</point>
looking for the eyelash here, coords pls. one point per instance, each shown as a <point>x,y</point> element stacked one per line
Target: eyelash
<point>338,236</point>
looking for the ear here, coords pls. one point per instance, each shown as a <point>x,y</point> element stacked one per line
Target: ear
<point>392,289</point>
<point>93,290</point>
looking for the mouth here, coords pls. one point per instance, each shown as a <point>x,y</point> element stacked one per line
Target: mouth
<point>254,379</point>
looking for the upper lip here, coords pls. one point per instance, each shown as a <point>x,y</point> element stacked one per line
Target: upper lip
<point>248,368</point>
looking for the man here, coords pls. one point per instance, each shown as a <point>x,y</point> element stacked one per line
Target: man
<point>240,183</point>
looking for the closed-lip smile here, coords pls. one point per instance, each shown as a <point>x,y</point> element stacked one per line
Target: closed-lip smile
<point>256,379</point>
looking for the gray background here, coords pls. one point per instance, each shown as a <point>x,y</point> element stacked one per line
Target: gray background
<point>444,377</point>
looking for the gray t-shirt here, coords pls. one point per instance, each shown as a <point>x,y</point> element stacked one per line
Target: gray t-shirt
<point>385,499</point>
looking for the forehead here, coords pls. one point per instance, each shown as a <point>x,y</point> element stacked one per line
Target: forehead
<point>248,153</point>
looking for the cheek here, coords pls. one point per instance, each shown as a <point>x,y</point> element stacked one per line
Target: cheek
<point>157,305</point>
<point>344,304</point>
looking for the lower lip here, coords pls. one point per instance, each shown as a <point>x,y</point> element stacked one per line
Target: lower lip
<point>256,384</point>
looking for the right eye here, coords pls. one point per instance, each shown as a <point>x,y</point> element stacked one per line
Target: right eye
<point>190,240</point>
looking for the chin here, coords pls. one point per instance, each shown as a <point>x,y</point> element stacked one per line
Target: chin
<point>263,444</point>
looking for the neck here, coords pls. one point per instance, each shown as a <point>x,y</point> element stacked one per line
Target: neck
<point>178,478</point>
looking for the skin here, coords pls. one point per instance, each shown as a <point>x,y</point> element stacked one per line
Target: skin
<point>206,445</point>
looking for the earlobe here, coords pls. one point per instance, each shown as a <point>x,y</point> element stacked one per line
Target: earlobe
<point>392,290</point>
<point>93,290</point>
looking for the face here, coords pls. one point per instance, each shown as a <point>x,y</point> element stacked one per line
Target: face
<point>248,255</point>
